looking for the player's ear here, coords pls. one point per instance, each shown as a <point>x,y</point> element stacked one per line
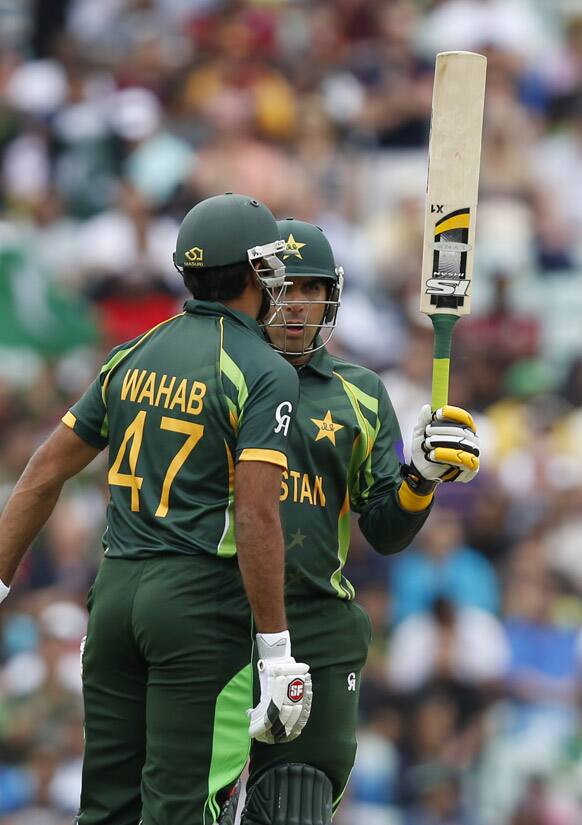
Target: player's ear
<point>251,275</point>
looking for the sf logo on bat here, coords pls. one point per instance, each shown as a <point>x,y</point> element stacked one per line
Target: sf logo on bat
<point>444,284</point>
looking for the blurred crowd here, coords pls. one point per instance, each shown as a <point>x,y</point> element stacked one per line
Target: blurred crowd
<point>116,117</point>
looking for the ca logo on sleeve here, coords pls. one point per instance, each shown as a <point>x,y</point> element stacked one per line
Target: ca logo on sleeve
<point>283,417</point>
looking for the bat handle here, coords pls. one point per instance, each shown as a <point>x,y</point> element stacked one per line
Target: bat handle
<point>443,333</point>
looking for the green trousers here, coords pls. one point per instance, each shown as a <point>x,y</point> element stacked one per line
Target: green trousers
<point>333,637</point>
<point>166,683</point>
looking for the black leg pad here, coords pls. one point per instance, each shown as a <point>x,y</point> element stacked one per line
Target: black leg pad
<point>293,794</point>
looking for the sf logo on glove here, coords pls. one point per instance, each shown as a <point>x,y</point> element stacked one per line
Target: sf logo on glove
<point>296,690</point>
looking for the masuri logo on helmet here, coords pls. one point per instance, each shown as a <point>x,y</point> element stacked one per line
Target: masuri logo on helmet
<point>195,256</point>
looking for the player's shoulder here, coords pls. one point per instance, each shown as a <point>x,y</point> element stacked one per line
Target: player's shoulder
<point>253,355</point>
<point>117,354</point>
<point>370,389</point>
<point>126,346</point>
<point>365,379</point>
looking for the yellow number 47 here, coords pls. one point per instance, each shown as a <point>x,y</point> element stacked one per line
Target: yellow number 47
<point>134,433</point>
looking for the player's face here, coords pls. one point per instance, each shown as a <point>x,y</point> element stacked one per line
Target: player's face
<point>297,323</point>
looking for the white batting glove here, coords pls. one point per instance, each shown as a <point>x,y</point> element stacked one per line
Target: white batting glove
<point>4,591</point>
<point>445,445</point>
<point>286,692</point>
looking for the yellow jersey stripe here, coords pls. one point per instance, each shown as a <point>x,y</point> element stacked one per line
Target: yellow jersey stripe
<point>69,419</point>
<point>230,468</point>
<point>354,396</point>
<point>366,400</point>
<point>268,456</point>
<point>235,375</point>
<point>343,590</point>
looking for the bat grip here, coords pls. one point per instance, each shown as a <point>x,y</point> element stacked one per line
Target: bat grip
<point>443,333</point>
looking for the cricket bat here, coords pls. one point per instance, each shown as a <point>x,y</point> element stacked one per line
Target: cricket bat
<point>451,202</point>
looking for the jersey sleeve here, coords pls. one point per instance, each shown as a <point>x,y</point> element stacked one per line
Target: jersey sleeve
<point>261,401</point>
<point>88,417</point>
<point>385,523</point>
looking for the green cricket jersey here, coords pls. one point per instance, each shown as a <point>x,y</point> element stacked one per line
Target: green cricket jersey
<point>179,406</point>
<point>345,452</point>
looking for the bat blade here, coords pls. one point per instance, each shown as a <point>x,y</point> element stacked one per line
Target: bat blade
<point>451,199</point>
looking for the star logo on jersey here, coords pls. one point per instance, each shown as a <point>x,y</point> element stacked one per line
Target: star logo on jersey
<point>297,539</point>
<point>327,427</point>
<point>293,247</point>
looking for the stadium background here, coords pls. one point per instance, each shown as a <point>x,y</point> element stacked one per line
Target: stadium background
<point>116,117</point>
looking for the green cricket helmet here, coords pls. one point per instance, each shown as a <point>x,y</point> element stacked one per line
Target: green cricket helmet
<point>231,229</point>
<point>308,254</point>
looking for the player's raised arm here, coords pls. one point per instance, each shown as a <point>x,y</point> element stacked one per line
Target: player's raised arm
<point>394,498</point>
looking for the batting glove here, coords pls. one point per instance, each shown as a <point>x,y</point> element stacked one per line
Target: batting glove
<point>4,591</point>
<point>445,447</point>
<point>286,692</point>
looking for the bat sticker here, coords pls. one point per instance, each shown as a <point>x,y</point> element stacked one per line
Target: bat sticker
<point>450,247</point>
<point>447,286</point>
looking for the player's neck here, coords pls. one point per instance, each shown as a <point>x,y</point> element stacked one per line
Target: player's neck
<point>248,302</point>
<point>299,360</point>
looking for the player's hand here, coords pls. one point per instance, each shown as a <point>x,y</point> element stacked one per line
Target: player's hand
<point>4,591</point>
<point>286,693</point>
<point>445,445</point>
